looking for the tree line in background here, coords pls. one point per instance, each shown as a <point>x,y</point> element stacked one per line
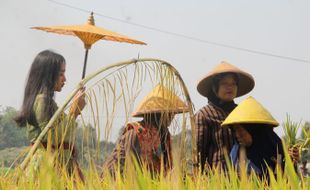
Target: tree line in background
<point>14,142</point>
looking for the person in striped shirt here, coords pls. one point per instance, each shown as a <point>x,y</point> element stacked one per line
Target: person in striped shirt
<point>221,86</point>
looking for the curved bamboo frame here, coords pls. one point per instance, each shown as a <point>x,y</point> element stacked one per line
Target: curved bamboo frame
<point>91,76</point>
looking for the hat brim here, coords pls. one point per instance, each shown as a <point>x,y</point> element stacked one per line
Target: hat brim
<point>245,85</point>
<point>265,122</point>
<point>160,100</point>
<point>250,111</point>
<point>142,113</point>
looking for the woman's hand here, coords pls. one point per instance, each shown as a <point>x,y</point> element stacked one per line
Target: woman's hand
<point>243,136</point>
<point>78,103</point>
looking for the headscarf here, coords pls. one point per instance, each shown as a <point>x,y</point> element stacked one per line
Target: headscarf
<point>266,146</point>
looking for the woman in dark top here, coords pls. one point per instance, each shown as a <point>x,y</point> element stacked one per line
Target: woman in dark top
<point>253,126</point>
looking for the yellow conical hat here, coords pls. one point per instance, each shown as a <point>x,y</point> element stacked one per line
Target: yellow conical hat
<point>250,111</point>
<point>160,99</point>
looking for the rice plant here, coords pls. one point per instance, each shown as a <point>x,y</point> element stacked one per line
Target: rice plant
<point>139,178</point>
<point>291,139</point>
<point>305,138</point>
<point>291,129</point>
<point>112,92</point>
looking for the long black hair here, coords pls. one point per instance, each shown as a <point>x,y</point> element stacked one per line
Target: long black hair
<point>42,77</point>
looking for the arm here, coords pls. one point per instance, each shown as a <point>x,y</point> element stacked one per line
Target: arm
<point>63,127</point>
<point>78,104</point>
<point>120,153</point>
<point>66,123</point>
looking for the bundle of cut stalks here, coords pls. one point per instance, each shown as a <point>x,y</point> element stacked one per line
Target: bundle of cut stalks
<point>291,129</point>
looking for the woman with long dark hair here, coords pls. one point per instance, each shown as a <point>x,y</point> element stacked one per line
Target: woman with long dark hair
<point>47,75</point>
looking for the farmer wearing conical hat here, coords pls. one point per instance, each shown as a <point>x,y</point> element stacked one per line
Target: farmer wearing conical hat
<point>221,86</point>
<point>149,139</point>
<point>253,126</point>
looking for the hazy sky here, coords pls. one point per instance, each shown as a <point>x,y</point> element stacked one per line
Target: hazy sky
<point>279,27</point>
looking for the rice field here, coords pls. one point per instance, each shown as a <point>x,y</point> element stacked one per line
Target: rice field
<point>135,178</point>
<point>113,91</point>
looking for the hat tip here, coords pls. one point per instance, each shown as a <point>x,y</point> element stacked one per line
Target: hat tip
<point>91,20</point>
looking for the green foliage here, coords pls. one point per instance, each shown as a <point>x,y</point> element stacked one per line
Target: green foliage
<point>290,130</point>
<point>10,134</point>
<point>12,155</point>
<point>305,135</point>
<point>3,170</point>
<point>13,140</point>
<point>89,148</point>
<point>306,130</point>
<point>291,138</point>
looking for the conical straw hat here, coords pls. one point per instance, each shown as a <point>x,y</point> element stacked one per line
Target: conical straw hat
<point>160,99</point>
<point>250,111</point>
<point>246,81</point>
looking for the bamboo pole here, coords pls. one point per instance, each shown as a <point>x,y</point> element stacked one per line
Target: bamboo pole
<point>193,125</point>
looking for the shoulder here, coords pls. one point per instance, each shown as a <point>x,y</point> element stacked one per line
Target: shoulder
<point>133,127</point>
<point>205,111</point>
<point>39,103</point>
<point>41,100</point>
<point>129,134</point>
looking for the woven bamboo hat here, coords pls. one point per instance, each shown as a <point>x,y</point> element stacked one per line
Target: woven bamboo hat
<point>160,99</point>
<point>250,111</point>
<point>245,85</point>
